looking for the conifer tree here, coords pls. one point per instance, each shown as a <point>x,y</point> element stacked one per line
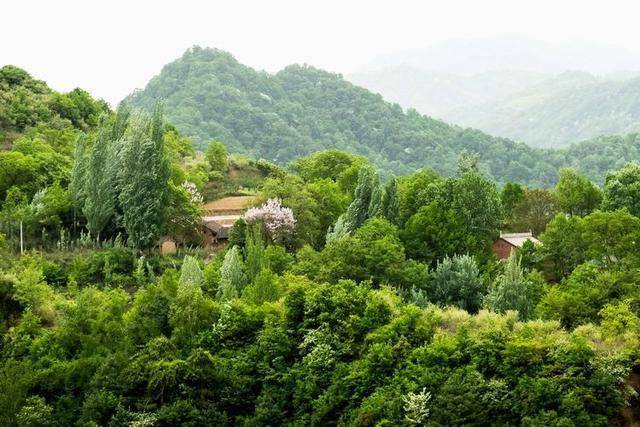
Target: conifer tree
<point>144,176</point>
<point>512,290</point>
<point>232,276</point>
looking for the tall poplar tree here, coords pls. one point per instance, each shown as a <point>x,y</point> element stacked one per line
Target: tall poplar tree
<point>390,205</point>
<point>99,206</point>
<point>78,177</point>
<point>232,275</point>
<point>144,176</point>
<point>358,210</point>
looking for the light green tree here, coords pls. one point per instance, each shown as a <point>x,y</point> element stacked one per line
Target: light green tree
<point>254,251</point>
<point>232,276</point>
<point>622,189</point>
<point>575,194</point>
<point>190,273</point>
<point>513,290</point>
<point>216,155</point>
<point>78,172</point>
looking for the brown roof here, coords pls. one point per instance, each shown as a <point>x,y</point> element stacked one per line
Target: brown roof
<point>518,239</point>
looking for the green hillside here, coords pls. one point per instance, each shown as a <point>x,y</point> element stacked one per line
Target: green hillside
<point>438,93</point>
<point>570,107</point>
<point>209,95</point>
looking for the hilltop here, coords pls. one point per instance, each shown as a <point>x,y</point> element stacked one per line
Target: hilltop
<point>209,95</point>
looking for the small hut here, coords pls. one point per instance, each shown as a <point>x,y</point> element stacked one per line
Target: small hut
<point>508,242</point>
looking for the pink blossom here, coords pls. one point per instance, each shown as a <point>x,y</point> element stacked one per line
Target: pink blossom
<point>278,220</point>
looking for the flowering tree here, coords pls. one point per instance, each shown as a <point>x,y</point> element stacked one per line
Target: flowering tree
<point>278,220</point>
<point>194,194</point>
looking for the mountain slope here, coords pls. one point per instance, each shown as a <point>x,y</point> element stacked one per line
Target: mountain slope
<point>567,108</point>
<point>436,93</point>
<point>209,95</point>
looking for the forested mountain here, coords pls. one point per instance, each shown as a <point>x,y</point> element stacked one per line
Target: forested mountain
<point>299,110</point>
<point>564,109</point>
<point>437,93</point>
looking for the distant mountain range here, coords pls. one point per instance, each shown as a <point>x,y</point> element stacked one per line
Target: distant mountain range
<point>209,95</point>
<point>516,88</point>
<point>512,52</point>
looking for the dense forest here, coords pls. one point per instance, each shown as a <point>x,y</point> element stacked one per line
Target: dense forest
<point>342,297</point>
<point>209,95</point>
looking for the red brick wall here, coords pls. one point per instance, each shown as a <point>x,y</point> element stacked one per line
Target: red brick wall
<point>502,249</point>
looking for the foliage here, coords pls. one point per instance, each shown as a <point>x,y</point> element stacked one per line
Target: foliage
<point>456,282</point>
<point>575,194</point>
<point>622,189</point>
<point>143,180</point>
<point>233,278</point>
<point>602,237</point>
<point>513,290</point>
<point>534,211</point>
<point>216,155</point>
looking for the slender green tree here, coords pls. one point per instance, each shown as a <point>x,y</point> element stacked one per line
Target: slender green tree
<point>390,205</point>
<point>190,273</point>
<point>375,204</point>
<point>575,194</point>
<point>99,206</point>
<point>79,172</point>
<point>144,176</point>
<point>232,276</point>
<point>358,210</point>
<point>513,290</point>
<point>254,251</point>
<point>216,155</point>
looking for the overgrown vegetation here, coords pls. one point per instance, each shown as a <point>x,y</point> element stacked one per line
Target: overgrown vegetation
<point>342,297</point>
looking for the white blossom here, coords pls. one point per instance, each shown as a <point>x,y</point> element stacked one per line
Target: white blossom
<point>278,220</point>
<point>194,194</point>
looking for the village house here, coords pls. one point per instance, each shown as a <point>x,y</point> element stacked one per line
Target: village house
<point>220,215</point>
<point>508,242</point>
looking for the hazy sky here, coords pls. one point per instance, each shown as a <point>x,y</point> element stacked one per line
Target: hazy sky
<point>111,47</point>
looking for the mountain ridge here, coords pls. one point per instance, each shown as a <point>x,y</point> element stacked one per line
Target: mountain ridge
<point>208,95</point>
